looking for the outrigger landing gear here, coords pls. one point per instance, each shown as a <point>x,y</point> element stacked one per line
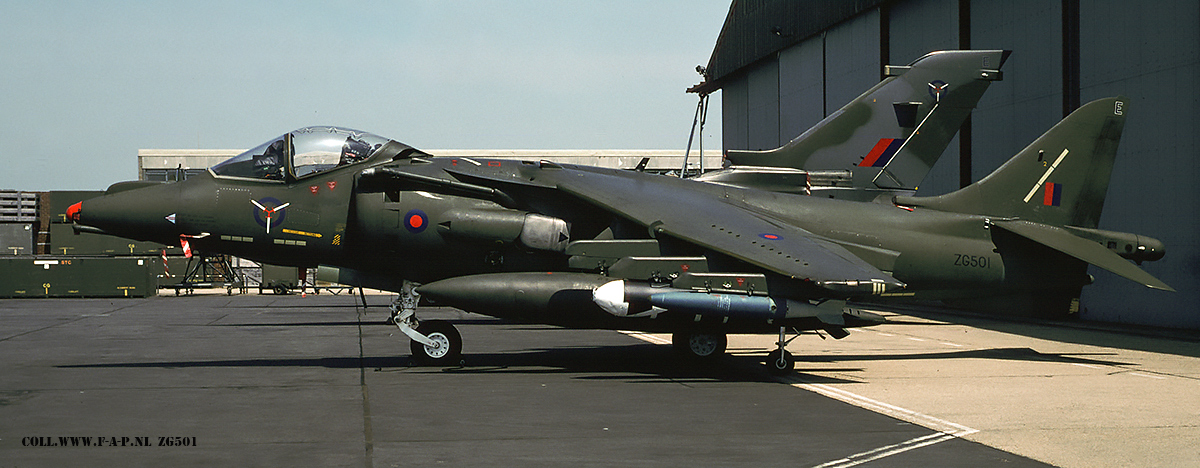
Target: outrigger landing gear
<point>780,361</point>
<point>434,342</point>
<point>700,345</point>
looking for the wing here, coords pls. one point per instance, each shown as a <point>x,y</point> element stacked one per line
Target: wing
<point>695,213</point>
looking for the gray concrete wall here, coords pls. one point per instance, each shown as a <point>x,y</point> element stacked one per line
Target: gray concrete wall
<point>801,85</point>
<point>734,109</point>
<point>851,59</point>
<point>1149,52</point>
<point>762,101</point>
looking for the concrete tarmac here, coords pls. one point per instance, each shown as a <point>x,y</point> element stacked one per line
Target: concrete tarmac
<point>318,381</point>
<point>1069,394</point>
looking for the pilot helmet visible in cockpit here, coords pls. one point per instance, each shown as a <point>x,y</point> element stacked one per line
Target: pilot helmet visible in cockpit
<point>270,164</point>
<point>354,151</point>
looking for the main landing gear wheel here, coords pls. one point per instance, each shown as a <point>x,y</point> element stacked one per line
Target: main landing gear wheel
<point>780,362</point>
<point>447,344</point>
<point>700,345</point>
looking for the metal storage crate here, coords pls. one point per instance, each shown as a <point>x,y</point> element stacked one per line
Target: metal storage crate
<point>16,239</point>
<point>67,276</point>
<point>280,279</point>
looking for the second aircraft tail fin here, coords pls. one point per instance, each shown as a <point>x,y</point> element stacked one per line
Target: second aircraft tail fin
<point>892,134</point>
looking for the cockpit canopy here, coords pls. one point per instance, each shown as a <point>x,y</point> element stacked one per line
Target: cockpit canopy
<point>302,153</point>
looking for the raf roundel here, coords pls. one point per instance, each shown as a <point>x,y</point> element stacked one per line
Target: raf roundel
<point>269,212</point>
<point>769,236</point>
<point>937,89</point>
<point>416,221</point>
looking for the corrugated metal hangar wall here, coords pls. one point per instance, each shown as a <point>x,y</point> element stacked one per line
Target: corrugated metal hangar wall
<point>782,66</point>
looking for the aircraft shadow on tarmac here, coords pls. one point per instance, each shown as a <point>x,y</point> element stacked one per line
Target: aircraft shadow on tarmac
<point>1121,336</point>
<point>632,363</point>
<point>646,363</point>
<point>637,363</point>
<point>1001,354</point>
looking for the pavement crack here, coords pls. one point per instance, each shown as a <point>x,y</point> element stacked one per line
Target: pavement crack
<point>368,436</point>
<point>218,319</point>
<point>70,321</point>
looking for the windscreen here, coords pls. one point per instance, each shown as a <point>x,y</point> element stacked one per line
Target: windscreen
<point>265,161</point>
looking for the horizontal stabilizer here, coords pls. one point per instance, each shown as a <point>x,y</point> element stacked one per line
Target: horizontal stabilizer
<point>1089,251</point>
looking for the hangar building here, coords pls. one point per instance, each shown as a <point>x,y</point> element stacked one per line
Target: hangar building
<point>782,66</point>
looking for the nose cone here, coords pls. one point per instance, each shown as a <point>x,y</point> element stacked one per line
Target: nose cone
<point>146,213</point>
<point>611,298</point>
<point>73,211</point>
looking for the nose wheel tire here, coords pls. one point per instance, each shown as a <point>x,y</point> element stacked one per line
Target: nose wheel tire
<point>780,362</point>
<point>447,344</point>
<point>700,345</point>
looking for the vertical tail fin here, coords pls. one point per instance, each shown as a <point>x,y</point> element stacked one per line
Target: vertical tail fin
<point>1060,179</point>
<point>892,134</point>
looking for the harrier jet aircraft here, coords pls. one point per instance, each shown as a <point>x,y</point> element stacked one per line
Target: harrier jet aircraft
<point>588,247</point>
